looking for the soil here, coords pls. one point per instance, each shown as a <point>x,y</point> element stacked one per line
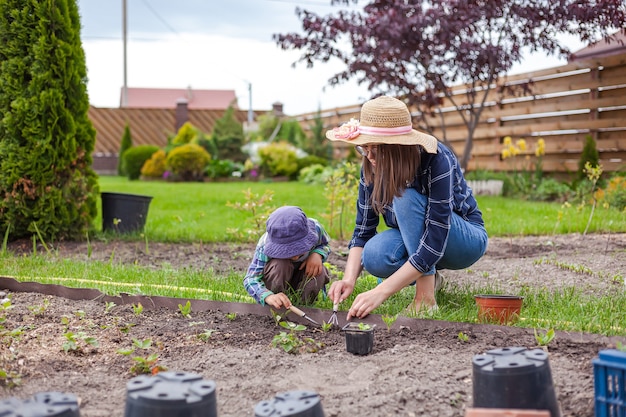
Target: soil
<point>419,367</point>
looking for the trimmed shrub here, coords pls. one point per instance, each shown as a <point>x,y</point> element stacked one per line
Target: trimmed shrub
<point>155,166</point>
<point>278,159</point>
<point>187,162</point>
<point>185,135</point>
<point>135,157</point>
<point>222,168</point>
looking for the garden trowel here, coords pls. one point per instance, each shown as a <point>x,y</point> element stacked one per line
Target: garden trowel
<point>302,314</point>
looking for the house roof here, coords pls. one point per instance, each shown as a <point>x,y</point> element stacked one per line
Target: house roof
<point>615,44</point>
<point>147,126</point>
<point>167,98</point>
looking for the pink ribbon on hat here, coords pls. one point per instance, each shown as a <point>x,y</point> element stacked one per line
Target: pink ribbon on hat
<point>352,129</point>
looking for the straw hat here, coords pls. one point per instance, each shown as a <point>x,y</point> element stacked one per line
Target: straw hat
<point>383,120</point>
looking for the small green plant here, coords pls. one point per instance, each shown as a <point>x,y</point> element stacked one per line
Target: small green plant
<point>389,320</point>
<point>231,316</point>
<point>621,346</point>
<point>137,309</point>
<point>185,310</point>
<point>39,310</point>
<point>364,326</point>
<point>463,337</point>
<point>80,314</point>
<point>544,338</point>
<point>206,335</point>
<point>75,342</point>
<point>259,208</point>
<point>109,305</point>
<point>9,379</point>
<point>326,326</point>
<point>291,343</point>
<point>143,364</point>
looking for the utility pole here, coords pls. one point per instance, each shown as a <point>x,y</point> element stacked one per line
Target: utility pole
<point>124,35</point>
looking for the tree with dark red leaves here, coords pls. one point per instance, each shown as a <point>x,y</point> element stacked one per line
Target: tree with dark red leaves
<point>418,49</point>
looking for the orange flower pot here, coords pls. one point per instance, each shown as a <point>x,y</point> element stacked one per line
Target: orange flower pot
<point>502,309</point>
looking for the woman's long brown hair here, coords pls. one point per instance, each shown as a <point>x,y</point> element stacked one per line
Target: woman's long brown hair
<point>396,167</point>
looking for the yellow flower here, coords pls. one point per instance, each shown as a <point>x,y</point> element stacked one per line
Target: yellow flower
<point>541,147</point>
<point>521,144</point>
<point>506,153</point>
<point>506,141</point>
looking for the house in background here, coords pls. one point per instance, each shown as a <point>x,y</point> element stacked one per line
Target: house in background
<point>153,115</point>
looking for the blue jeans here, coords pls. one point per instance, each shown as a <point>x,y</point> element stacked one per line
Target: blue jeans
<point>387,251</point>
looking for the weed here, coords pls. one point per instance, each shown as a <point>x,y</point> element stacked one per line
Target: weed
<point>593,174</point>
<point>544,338</point>
<point>389,320</point>
<point>5,240</point>
<point>231,316</point>
<point>185,310</point>
<point>463,337</point>
<point>137,309</point>
<point>109,305</point>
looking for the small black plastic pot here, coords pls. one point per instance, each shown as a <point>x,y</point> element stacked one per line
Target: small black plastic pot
<point>359,338</point>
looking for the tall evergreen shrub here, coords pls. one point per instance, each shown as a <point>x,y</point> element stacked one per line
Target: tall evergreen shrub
<point>127,143</point>
<point>47,185</point>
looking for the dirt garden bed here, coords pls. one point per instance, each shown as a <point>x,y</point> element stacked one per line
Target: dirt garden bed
<point>418,367</point>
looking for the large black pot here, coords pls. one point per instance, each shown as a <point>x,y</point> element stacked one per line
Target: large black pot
<point>124,213</point>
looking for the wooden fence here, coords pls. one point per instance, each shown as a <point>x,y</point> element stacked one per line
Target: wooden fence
<point>565,105</point>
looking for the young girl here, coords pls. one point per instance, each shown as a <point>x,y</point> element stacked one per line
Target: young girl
<point>289,259</point>
<point>416,184</point>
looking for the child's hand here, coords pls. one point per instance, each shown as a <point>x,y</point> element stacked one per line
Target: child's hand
<point>278,301</point>
<point>313,265</point>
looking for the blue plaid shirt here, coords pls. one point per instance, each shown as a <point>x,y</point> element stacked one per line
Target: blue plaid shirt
<point>253,281</point>
<point>442,181</point>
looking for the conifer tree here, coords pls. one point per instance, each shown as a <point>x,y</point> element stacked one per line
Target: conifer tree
<point>127,143</point>
<point>47,185</point>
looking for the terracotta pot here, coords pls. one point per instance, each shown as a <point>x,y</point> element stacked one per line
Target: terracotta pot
<point>503,309</point>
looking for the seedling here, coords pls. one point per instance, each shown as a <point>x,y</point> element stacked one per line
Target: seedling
<point>364,326</point>
<point>231,316</point>
<point>463,337</point>
<point>389,320</point>
<point>206,335</point>
<point>137,309</point>
<point>39,310</point>
<point>80,314</point>
<point>109,306</point>
<point>545,338</point>
<point>621,346</point>
<point>185,310</point>
<point>291,343</point>
<point>326,326</point>
<point>143,365</point>
<point>74,340</point>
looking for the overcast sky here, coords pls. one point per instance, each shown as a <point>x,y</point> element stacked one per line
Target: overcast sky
<point>209,44</point>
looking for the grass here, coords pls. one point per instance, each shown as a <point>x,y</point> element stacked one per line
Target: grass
<point>198,212</point>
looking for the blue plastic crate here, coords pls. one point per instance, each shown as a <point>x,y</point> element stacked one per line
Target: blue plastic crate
<point>609,373</point>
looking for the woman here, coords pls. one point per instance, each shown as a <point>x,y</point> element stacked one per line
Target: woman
<point>418,187</point>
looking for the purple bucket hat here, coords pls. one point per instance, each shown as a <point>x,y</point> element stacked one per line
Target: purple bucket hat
<point>289,233</point>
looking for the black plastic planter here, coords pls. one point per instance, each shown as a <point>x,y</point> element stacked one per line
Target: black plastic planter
<point>49,404</point>
<point>359,338</point>
<point>514,378</point>
<point>124,213</point>
<point>170,394</point>
<point>291,404</point>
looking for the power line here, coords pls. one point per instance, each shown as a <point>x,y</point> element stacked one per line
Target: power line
<point>158,16</point>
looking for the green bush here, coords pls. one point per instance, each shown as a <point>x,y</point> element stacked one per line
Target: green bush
<point>589,154</point>
<point>155,166</point>
<point>187,162</point>
<point>135,157</point>
<point>550,189</point>
<point>222,168</point>
<point>315,174</point>
<point>185,135</point>
<point>278,159</point>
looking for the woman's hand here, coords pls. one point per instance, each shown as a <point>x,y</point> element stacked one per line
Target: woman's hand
<point>365,303</point>
<point>340,290</point>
